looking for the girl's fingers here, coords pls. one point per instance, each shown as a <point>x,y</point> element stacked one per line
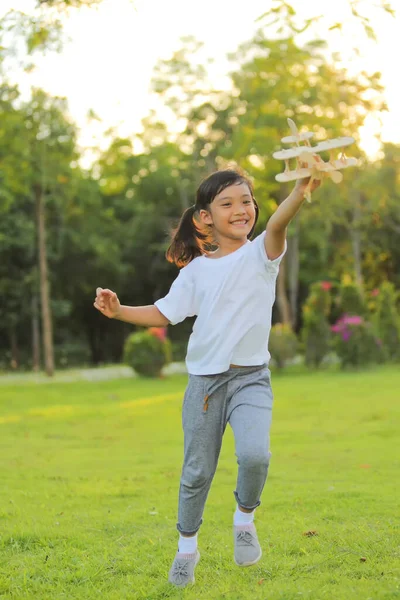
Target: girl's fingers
<point>97,306</point>
<point>100,292</point>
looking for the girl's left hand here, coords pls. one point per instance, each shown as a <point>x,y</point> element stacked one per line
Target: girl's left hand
<point>301,184</point>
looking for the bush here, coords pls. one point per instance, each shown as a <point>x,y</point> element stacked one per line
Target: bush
<point>352,300</point>
<point>387,321</point>
<point>179,349</point>
<point>71,354</point>
<point>355,342</point>
<point>147,352</point>
<point>282,344</point>
<point>316,331</point>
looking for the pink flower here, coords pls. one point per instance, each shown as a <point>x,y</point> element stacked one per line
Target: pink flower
<point>343,324</point>
<point>326,285</point>
<point>375,293</point>
<point>353,320</point>
<point>158,332</point>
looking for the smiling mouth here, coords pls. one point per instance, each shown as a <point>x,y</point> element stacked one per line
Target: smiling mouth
<point>242,222</point>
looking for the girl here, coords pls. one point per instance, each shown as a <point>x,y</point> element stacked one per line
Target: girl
<point>228,282</point>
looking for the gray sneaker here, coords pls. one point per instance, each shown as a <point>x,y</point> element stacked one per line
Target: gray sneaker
<point>247,548</point>
<point>182,570</point>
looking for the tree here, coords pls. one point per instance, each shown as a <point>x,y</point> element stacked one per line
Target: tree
<point>39,148</point>
<point>277,79</point>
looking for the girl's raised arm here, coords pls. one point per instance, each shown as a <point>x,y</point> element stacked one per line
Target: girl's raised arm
<point>279,221</point>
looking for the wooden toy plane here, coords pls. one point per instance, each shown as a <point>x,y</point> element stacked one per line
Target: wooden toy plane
<point>308,161</point>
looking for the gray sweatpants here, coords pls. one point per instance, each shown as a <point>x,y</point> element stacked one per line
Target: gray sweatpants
<point>243,398</point>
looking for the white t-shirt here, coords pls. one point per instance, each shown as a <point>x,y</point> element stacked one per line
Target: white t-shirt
<point>232,297</point>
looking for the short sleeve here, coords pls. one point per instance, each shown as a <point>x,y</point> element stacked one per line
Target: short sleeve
<point>272,266</point>
<point>179,302</point>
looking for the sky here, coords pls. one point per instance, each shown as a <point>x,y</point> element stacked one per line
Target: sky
<point>108,61</point>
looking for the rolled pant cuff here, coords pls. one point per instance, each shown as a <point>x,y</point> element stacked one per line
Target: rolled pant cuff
<point>241,505</point>
<point>187,533</point>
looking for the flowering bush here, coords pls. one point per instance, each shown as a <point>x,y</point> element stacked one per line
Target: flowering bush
<point>387,320</point>
<point>282,344</point>
<point>316,331</point>
<point>147,352</point>
<point>355,342</point>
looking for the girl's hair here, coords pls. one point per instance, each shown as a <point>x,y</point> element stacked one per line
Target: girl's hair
<point>188,240</point>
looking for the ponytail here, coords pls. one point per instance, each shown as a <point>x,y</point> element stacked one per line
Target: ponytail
<point>188,241</point>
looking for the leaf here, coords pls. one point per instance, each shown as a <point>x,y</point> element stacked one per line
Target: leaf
<point>310,533</point>
<point>387,8</point>
<point>336,26</point>
<point>370,32</point>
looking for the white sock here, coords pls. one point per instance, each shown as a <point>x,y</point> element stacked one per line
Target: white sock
<point>242,518</point>
<point>187,545</point>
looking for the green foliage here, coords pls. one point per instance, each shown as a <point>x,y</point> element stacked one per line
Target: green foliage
<point>356,342</point>
<point>147,352</point>
<point>65,4</point>
<point>352,300</point>
<point>36,32</point>
<point>72,354</point>
<point>387,320</point>
<point>283,344</point>
<point>316,329</point>
<point>110,226</point>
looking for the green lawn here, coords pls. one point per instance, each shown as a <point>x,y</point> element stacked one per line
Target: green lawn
<point>89,480</point>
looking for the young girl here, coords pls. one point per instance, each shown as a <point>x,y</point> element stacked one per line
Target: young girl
<point>228,282</point>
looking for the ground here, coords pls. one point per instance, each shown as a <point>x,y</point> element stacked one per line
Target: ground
<point>89,481</point>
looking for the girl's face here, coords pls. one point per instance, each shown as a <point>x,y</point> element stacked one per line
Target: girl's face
<point>232,213</point>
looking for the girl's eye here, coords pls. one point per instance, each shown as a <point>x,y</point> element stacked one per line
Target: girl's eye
<point>247,201</point>
<point>227,204</point>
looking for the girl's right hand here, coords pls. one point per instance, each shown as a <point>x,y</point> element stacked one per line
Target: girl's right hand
<point>107,303</point>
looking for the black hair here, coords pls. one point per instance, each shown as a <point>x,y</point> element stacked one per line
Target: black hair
<point>188,240</point>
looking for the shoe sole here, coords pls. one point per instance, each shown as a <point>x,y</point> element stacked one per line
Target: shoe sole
<point>249,564</point>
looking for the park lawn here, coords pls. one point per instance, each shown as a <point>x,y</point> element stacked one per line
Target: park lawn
<point>89,480</point>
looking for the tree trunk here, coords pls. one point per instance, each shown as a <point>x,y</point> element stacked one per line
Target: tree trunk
<point>355,235</point>
<point>281,295</point>
<point>14,348</point>
<point>35,335</point>
<point>47,326</point>
<point>293,258</point>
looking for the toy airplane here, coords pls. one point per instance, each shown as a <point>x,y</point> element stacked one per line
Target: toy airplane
<point>308,161</point>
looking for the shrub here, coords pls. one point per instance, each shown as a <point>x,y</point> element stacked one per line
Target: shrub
<point>387,320</point>
<point>355,342</point>
<point>316,331</point>
<point>179,349</point>
<point>282,344</point>
<point>352,300</point>
<point>147,352</point>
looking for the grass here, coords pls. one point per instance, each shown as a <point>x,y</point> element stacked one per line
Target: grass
<point>89,479</point>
